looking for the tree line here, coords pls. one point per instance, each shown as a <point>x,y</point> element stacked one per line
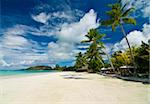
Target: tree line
<point>92,60</point>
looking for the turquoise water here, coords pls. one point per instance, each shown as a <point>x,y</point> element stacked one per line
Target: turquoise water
<point>20,72</point>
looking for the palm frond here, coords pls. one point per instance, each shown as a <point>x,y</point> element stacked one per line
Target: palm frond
<point>127,12</point>
<point>87,36</point>
<point>123,7</point>
<point>119,1</point>
<point>110,5</point>
<point>85,41</point>
<point>113,27</point>
<point>111,13</point>
<point>107,22</point>
<point>129,21</point>
<point>99,36</point>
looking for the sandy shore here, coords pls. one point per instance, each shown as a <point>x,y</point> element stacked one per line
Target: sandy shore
<point>71,88</point>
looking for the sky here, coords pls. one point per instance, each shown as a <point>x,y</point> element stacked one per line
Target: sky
<point>49,32</point>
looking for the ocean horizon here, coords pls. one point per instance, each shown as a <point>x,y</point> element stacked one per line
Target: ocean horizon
<point>22,72</point>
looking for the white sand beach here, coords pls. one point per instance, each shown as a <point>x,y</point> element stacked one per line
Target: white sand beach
<point>71,88</point>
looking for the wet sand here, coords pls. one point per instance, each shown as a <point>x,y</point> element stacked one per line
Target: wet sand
<point>71,88</point>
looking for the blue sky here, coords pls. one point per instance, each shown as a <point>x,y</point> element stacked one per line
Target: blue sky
<point>48,32</point>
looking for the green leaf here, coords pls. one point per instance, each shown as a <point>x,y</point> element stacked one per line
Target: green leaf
<point>110,5</point>
<point>127,12</point>
<point>122,9</point>
<point>85,41</point>
<point>107,22</point>
<point>129,21</point>
<point>87,36</point>
<point>111,13</point>
<point>113,27</point>
<point>99,36</point>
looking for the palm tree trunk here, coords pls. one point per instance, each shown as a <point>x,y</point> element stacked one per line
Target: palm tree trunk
<point>132,57</point>
<point>112,66</point>
<point>102,63</point>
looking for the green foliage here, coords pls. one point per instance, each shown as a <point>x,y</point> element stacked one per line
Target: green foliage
<point>93,35</point>
<point>142,58</point>
<point>80,61</point>
<point>129,21</point>
<point>57,67</point>
<point>106,65</point>
<point>64,68</point>
<point>39,68</point>
<point>94,65</point>
<point>93,53</point>
<point>118,15</point>
<point>141,55</point>
<point>120,59</point>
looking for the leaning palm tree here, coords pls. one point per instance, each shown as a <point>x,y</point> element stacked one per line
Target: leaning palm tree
<point>80,61</point>
<point>94,51</point>
<point>108,57</point>
<point>119,15</point>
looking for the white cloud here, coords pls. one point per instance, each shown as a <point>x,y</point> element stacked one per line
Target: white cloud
<point>11,41</point>
<point>62,15</point>
<point>146,11</point>
<point>108,48</point>
<point>42,17</point>
<point>59,52</point>
<point>68,15</point>
<point>17,59</point>
<point>83,46</point>
<point>19,29</point>
<point>16,51</point>
<point>142,6</point>
<point>146,30</point>
<point>75,32</point>
<point>135,37</point>
<point>13,38</point>
<point>71,34</point>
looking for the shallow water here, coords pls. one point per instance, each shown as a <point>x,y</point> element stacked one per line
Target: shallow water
<point>20,72</point>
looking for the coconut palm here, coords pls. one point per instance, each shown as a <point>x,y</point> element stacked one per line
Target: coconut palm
<point>119,15</point>
<point>95,50</point>
<point>80,61</point>
<point>111,64</point>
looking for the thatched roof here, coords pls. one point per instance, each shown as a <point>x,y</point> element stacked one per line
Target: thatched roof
<point>103,69</point>
<point>127,67</point>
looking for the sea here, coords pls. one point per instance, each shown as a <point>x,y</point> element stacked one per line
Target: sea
<point>22,72</point>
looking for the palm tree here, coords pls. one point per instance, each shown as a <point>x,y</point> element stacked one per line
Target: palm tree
<point>95,50</point>
<point>80,61</point>
<point>111,64</point>
<point>119,15</point>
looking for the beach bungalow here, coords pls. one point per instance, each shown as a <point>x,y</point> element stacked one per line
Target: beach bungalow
<point>108,70</point>
<point>126,70</point>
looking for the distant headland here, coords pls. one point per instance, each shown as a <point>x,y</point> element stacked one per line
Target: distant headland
<point>57,67</point>
<point>40,68</point>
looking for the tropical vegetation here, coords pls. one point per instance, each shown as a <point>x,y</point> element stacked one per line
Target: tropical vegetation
<point>120,15</point>
<point>92,57</point>
<point>92,60</point>
<point>81,62</point>
<point>141,55</point>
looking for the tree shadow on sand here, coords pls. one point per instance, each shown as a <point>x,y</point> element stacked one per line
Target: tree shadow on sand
<point>72,76</point>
